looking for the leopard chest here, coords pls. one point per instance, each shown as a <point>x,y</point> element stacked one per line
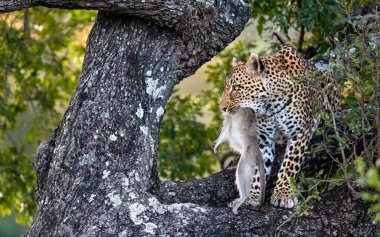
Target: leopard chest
<point>295,117</point>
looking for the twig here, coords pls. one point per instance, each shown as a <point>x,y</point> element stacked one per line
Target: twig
<point>320,181</point>
<point>344,167</point>
<point>376,94</point>
<point>278,37</point>
<point>327,183</point>
<point>302,32</point>
<point>26,23</point>
<point>283,223</point>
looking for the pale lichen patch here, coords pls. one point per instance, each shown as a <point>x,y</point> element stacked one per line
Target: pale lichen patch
<point>158,93</point>
<point>113,137</point>
<point>105,174</point>
<point>134,176</point>
<point>150,228</point>
<point>175,207</point>
<point>159,112</point>
<point>91,197</point>
<point>115,199</point>
<point>151,85</point>
<point>135,210</point>
<point>156,205</point>
<point>152,145</point>
<point>87,158</point>
<point>132,195</point>
<point>144,130</point>
<point>125,183</point>
<point>124,233</point>
<point>140,112</point>
<point>153,89</point>
<point>121,133</point>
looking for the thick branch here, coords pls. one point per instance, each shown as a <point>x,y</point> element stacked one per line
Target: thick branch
<point>336,213</point>
<point>204,22</point>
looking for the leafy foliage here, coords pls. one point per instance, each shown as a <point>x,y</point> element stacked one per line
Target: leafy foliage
<point>184,150</point>
<point>370,178</point>
<point>39,54</point>
<point>356,65</point>
<point>314,22</point>
<point>356,61</point>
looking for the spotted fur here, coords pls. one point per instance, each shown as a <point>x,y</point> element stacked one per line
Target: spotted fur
<point>268,85</point>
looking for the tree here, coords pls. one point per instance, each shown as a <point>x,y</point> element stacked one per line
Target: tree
<point>97,172</point>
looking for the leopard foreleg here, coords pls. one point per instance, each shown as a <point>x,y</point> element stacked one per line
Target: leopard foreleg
<point>283,195</point>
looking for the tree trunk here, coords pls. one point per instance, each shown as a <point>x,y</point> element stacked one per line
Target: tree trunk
<point>98,170</point>
<point>97,173</point>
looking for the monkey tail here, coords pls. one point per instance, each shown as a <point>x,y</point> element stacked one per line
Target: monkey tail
<point>261,170</point>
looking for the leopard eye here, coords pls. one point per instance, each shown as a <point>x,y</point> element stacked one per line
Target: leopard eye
<point>235,88</point>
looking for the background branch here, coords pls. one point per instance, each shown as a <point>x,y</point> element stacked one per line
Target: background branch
<point>191,19</point>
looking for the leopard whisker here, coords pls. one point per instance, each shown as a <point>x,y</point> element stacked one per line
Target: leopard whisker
<point>233,109</point>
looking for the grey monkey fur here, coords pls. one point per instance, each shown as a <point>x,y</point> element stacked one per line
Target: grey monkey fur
<point>240,131</point>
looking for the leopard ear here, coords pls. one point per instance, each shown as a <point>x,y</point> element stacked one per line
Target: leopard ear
<point>254,65</point>
<point>235,62</point>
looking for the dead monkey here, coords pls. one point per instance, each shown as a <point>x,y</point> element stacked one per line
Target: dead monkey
<point>239,130</point>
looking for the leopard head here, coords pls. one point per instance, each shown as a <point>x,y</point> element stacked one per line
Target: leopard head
<point>244,88</point>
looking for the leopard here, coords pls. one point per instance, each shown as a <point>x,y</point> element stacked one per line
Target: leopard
<point>286,109</point>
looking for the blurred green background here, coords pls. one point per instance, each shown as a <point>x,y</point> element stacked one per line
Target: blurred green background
<point>10,228</point>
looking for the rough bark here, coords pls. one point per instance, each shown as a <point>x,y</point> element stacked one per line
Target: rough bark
<point>207,25</point>
<point>97,172</point>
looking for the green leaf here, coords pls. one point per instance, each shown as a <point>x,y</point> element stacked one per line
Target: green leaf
<point>260,24</point>
<point>373,178</point>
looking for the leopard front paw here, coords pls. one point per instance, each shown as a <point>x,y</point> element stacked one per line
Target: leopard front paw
<point>285,199</point>
<point>253,201</point>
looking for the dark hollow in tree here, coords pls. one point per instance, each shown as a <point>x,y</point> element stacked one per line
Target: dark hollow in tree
<point>97,172</point>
